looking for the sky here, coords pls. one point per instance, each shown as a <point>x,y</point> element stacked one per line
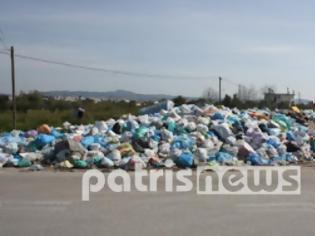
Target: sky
<point>255,43</point>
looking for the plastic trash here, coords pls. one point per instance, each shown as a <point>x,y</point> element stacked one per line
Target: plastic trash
<point>141,132</point>
<point>81,164</point>
<point>115,156</point>
<point>44,129</point>
<point>185,160</point>
<point>106,162</point>
<point>36,167</point>
<point>167,136</point>
<point>224,158</point>
<point>44,139</point>
<point>87,141</point>
<point>202,154</point>
<point>166,105</point>
<point>31,134</point>
<point>222,130</point>
<point>169,163</point>
<point>24,163</point>
<point>4,158</point>
<point>217,116</point>
<point>11,148</point>
<point>256,159</point>
<point>66,164</point>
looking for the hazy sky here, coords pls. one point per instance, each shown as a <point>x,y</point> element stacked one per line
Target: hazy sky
<point>249,42</point>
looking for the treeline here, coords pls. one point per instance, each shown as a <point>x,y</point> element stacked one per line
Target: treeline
<point>234,101</point>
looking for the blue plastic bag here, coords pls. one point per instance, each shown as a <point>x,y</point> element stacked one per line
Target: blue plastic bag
<point>100,140</point>
<point>223,157</point>
<point>275,142</point>
<point>87,141</point>
<point>291,136</point>
<point>217,116</point>
<point>44,139</point>
<point>257,160</point>
<point>183,142</point>
<point>56,133</point>
<point>185,160</point>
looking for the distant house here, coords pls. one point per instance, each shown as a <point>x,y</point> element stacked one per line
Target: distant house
<point>277,98</point>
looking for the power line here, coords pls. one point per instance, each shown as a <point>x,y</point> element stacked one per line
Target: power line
<point>118,72</point>
<point>230,82</point>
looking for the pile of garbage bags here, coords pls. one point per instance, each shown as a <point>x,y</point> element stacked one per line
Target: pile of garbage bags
<point>165,137</point>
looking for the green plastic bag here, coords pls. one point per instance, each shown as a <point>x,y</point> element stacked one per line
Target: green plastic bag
<point>140,132</point>
<point>283,125</point>
<point>80,164</point>
<point>96,160</point>
<point>283,121</point>
<point>171,126</point>
<point>24,163</point>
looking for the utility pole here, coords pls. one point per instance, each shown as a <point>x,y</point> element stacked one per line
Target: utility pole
<point>220,80</point>
<point>13,88</point>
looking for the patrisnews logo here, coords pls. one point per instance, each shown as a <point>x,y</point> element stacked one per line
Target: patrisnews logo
<point>249,180</point>
<point>221,180</point>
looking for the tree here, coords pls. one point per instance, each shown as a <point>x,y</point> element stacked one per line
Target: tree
<point>211,94</point>
<point>4,102</point>
<point>32,100</point>
<point>179,100</point>
<point>227,101</point>
<point>247,93</point>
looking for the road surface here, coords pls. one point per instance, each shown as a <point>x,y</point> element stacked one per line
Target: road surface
<point>49,203</point>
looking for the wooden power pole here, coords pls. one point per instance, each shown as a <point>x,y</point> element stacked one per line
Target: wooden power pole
<point>13,88</point>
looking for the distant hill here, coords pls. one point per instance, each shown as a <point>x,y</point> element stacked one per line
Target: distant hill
<point>110,95</point>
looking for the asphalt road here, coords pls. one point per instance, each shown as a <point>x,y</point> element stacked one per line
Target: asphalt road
<point>49,203</point>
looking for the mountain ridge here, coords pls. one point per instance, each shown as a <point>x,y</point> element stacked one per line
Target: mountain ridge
<point>110,95</point>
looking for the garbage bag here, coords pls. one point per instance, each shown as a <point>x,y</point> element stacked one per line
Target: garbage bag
<point>222,130</point>
<point>165,105</point>
<point>185,160</point>
<point>44,129</point>
<point>217,116</point>
<point>24,163</point>
<point>106,162</point>
<point>4,158</point>
<point>291,136</point>
<point>202,154</point>
<point>31,134</point>
<point>141,132</point>
<point>183,142</point>
<point>81,164</point>
<point>56,133</point>
<point>44,139</point>
<point>256,159</point>
<point>224,158</point>
<point>87,141</point>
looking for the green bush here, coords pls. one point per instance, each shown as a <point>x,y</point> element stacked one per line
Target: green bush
<point>34,110</point>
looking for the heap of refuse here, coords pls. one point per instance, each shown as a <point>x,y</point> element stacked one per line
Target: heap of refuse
<point>164,136</point>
